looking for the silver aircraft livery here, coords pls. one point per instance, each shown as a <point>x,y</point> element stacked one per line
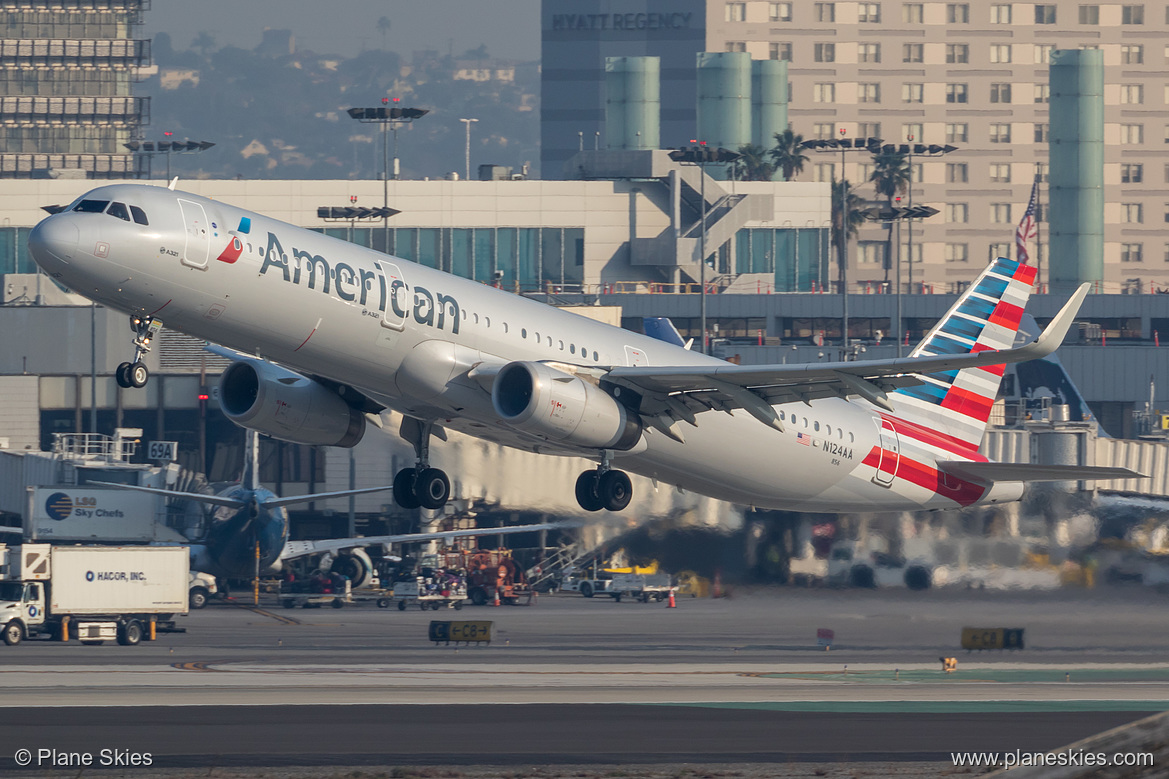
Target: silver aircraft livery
<point>330,334</point>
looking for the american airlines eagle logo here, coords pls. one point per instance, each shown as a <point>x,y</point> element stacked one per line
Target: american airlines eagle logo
<point>230,254</point>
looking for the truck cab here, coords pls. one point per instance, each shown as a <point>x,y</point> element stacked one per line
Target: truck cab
<point>22,609</point>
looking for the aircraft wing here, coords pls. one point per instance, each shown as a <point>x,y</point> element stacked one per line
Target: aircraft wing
<point>294,549</point>
<point>214,500</point>
<point>1028,472</point>
<point>274,502</point>
<point>682,391</point>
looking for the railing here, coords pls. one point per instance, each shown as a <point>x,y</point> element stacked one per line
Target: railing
<point>94,446</point>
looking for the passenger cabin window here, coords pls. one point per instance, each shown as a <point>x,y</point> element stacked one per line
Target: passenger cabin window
<point>118,210</point>
<point>816,427</point>
<point>595,357</point>
<point>140,218</point>
<point>562,346</point>
<point>523,332</point>
<point>91,206</point>
<point>572,348</point>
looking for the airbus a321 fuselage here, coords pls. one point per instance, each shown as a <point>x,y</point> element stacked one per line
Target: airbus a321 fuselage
<point>335,332</point>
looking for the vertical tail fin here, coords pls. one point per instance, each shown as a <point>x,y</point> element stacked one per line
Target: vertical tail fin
<point>986,316</point>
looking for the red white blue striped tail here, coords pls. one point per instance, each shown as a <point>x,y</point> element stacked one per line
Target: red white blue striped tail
<point>986,316</point>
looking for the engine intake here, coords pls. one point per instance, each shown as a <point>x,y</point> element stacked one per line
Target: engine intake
<point>288,406</point>
<point>536,399</point>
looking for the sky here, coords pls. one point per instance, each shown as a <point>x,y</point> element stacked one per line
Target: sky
<point>509,28</point>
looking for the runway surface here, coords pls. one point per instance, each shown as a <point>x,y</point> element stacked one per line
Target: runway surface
<point>575,680</point>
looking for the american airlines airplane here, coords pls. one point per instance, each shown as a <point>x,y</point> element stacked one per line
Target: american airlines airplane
<point>331,334</point>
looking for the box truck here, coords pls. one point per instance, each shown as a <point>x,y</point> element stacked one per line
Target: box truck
<point>91,593</point>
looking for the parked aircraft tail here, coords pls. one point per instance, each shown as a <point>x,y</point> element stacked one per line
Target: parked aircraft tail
<point>985,317</point>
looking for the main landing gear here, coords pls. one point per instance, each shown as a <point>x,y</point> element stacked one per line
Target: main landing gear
<point>135,374</point>
<point>604,488</point>
<point>420,486</point>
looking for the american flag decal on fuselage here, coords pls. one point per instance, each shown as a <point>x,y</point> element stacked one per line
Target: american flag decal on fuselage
<point>957,404</point>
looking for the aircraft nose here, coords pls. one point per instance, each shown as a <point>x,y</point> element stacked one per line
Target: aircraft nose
<point>54,239</point>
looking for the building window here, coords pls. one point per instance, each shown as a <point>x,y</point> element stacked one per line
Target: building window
<point>1132,133</point>
<point>1000,250</point>
<point>868,13</point>
<point>1132,54</point>
<point>957,132</point>
<point>1132,173</point>
<point>824,171</point>
<point>1043,53</point>
<point>1001,92</point>
<point>1000,173</point>
<point>1041,131</point>
<point>1000,133</point>
<point>868,130</point>
<point>781,12</point>
<point>957,53</point>
<point>911,130</point>
<point>957,173</point>
<point>1000,53</point>
<point>1000,213</point>
<point>1132,14</point>
<point>1132,252</point>
<point>824,130</point>
<point>1089,14</point>
<point>1132,213</point>
<point>869,52</point>
<point>868,93</point>
<point>824,52</point>
<point>1041,172</point>
<point>1042,93</point>
<point>1000,14</point>
<point>912,93</point>
<point>736,12</point>
<point>1045,14</point>
<point>1167,252</point>
<point>956,93</point>
<point>913,52</point>
<point>870,253</point>
<point>957,13</point>
<point>824,93</point>
<point>780,51</point>
<point>1132,94</point>
<point>957,252</point>
<point>913,13</point>
<point>825,12</point>
<point>958,213</point>
<point>736,45</point>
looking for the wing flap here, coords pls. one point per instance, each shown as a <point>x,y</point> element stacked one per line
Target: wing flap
<point>1028,472</point>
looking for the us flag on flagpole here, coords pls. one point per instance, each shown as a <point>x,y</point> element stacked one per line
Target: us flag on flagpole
<point>1028,228</point>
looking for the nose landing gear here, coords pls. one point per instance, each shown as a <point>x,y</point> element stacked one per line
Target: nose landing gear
<point>421,485</point>
<point>135,374</point>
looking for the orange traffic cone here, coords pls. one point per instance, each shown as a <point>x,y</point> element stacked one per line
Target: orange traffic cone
<point>672,604</point>
<point>495,602</point>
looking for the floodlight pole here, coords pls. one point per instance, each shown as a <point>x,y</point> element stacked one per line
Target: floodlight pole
<point>467,123</point>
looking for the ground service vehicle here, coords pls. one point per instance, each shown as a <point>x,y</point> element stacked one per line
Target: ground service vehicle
<point>429,594</point>
<point>490,574</point>
<point>201,587</point>
<point>641,586</point>
<point>91,593</point>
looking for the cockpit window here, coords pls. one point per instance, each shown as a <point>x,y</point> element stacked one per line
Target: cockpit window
<point>91,206</point>
<point>118,210</point>
<point>139,215</point>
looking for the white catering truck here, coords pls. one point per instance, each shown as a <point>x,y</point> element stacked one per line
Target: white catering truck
<point>91,593</point>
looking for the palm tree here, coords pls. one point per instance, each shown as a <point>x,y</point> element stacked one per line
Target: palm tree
<point>204,42</point>
<point>753,164</point>
<point>383,26</point>
<point>787,155</point>
<point>891,177</point>
<point>855,206</point>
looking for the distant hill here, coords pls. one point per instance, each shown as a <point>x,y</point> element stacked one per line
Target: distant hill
<point>279,115</point>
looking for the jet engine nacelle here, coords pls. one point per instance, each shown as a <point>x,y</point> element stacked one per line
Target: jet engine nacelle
<point>537,399</point>
<point>288,406</point>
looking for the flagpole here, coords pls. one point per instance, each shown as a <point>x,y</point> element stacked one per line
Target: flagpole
<point>1038,233</point>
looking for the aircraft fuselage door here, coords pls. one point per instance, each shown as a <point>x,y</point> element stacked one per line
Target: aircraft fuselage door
<point>397,296</point>
<point>197,239</point>
<point>890,456</point>
<point>635,356</point>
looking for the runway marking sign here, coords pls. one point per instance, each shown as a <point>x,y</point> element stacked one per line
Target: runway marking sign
<point>469,631</point>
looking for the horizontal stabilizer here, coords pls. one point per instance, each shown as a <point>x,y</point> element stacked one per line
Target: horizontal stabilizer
<point>1028,472</point>
<point>214,500</point>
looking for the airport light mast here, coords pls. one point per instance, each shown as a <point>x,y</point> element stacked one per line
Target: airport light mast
<point>389,117</point>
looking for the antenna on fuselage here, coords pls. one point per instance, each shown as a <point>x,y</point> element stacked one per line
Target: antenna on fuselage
<point>171,185</point>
